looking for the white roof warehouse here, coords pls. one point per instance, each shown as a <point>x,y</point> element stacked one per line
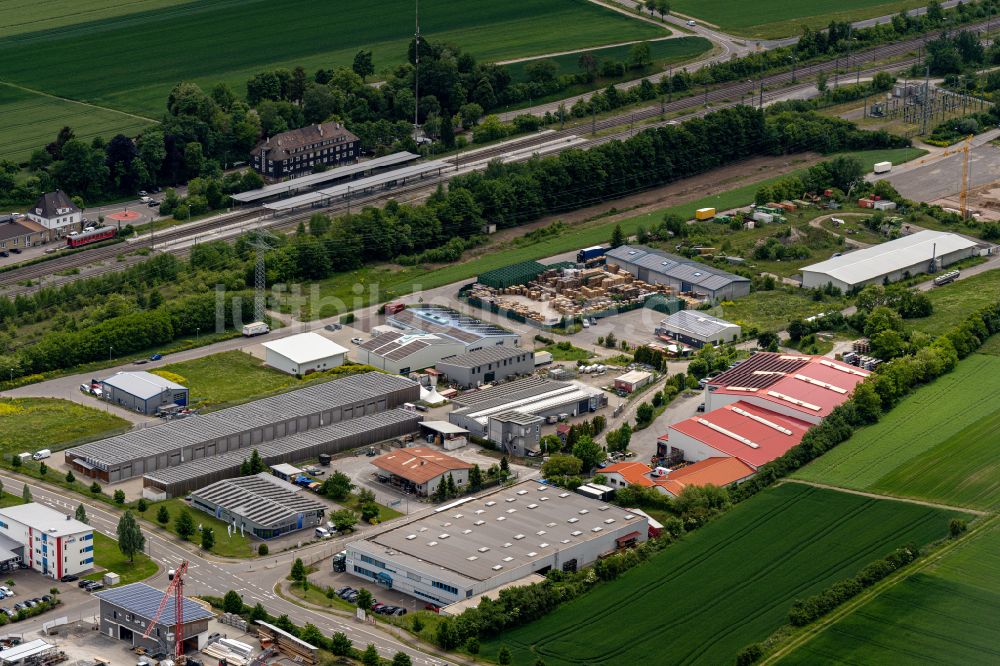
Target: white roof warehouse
<point>470,547</point>
<point>892,260</point>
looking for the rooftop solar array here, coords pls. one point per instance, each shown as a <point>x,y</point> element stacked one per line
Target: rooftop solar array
<point>258,500</point>
<point>174,435</point>
<point>486,355</point>
<point>314,179</point>
<point>698,323</point>
<point>761,370</point>
<point>357,185</point>
<point>443,320</point>
<point>143,600</point>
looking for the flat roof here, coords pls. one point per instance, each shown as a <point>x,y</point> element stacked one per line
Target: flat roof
<point>697,324</point>
<point>357,185</point>
<point>141,384</point>
<point>305,347</point>
<point>285,468</point>
<point>514,416</point>
<point>744,431</point>
<point>502,530</point>
<point>873,262</point>
<point>443,427</point>
<point>314,179</point>
<point>25,650</point>
<point>486,355</point>
<point>174,435</point>
<point>143,600</point>
<point>442,320</point>
<point>258,499</point>
<point>45,519</point>
<point>529,395</point>
<point>419,464</point>
<point>633,376</point>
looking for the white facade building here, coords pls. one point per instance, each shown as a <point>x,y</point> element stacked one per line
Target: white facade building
<point>403,353</point>
<point>890,261</point>
<point>56,212</point>
<point>55,543</point>
<point>470,547</point>
<point>303,353</point>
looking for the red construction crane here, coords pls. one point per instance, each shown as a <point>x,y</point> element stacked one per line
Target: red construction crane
<point>176,588</point>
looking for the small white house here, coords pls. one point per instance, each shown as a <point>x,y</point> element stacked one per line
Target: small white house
<point>56,212</point>
<point>303,353</point>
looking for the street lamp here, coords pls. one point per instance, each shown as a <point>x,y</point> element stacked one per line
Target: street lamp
<point>110,348</point>
<point>197,333</point>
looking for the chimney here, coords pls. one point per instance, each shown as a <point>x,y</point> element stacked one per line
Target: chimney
<point>319,128</point>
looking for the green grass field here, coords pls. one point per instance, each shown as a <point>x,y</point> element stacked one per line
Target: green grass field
<point>663,51</point>
<point>941,443</point>
<point>108,558</point>
<point>32,120</point>
<point>29,424</point>
<point>765,19</point>
<point>130,62</point>
<point>726,585</point>
<point>225,546</point>
<point>772,310</point>
<point>227,377</point>
<point>956,300</point>
<point>943,614</point>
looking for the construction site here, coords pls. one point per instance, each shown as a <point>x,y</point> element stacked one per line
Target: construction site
<point>557,294</point>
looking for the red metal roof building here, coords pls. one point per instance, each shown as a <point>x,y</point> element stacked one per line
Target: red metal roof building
<point>741,430</point>
<point>798,386</point>
<point>717,471</point>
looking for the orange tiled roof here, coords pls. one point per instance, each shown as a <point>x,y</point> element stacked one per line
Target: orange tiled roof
<point>419,464</point>
<point>716,471</point>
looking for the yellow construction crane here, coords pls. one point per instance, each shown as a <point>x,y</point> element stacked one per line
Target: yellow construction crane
<point>963,196</point>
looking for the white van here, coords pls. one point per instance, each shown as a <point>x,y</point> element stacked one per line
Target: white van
<point>41,455</point>
<point>322,533</point>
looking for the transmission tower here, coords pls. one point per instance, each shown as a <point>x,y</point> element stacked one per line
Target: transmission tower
<point>260,247</point>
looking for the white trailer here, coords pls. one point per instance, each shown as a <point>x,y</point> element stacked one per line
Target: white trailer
<point>883,167</point>
<point>256,328</point>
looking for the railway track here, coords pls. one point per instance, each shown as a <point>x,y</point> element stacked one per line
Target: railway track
<point>23,280</point>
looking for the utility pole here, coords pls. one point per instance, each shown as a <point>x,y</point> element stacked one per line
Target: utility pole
<point>670,83</point>
<point>593,118</point>
<point>836,71</point>
<point>926,100</point>
<point>416,66</point>
<point>793,68</point>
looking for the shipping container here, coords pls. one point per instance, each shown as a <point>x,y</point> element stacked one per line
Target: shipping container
<point>883,167</point>
<point>704,214</point>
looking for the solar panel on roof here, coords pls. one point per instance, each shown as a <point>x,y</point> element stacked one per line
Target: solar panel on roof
<point>144,600</point>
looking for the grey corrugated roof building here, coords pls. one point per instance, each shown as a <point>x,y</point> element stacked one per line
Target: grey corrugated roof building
<point>681,273</point>
<point>142,391</point>
<point>444,321</point>
<point>486,365</point>
<point>175,442</point>
<point>360,431</point>
<point>261,504</point>
<point>402,353</point>
<point>698,328</point>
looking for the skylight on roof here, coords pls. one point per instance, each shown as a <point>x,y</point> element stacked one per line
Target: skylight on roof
<point>583,511</point>
<point>564,541</point>
<point>518,537</point>
<point>522,492</point>
<point>543,499</point>
<point>483,549</point>
<point>532,554</point>
<point>497,567</point>
<point>540,532</point>
<point>508,544</point>
<point>432,543</point>
<point>609,521</point>
<point>596,529</point>
<point>543,545</point>
<point>411,537</point>
<point>490,503</point>
<point>508,559</point>
<point>573,520</point>
<point>501,517</point>
<point>563,494</point>
<point>629,516</point>
<point>479,522</point>
<point>511,499</point>
<point>472,558</point>
<point>532,506</point>
<point>479,511</point>
<point>576,533</point>
<point>466,531</point>
<point>443,536</point>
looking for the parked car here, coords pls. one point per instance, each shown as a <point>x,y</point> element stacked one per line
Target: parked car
<point>152,203</point>
<point>701,407</point>
<point>96,586</point>
<point>156,357</point>
<point>6,591</point>
<point>19,606</point>
<point>357,341</point>
<point>344,590</point>
<point>399,612</point>
<point>15,250</point>
<point>143,193</point>
<point>691,24</point>
<point>432,607</point>
<point>46,597</point>
<point>333,327</point>
<point>4,253</point>
<point>84,583</point>
<point>28,603</point>
<point>69,578</point>
<point>140,361</point>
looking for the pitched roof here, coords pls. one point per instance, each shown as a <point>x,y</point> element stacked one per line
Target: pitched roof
<point>813,385</point>
<point>396,346</point>
<point>263,499</point>
<point>143,600</point>
<point>280,146</point>
<point>697,324</point>
<point>674,266</point>
<point>485,355</point>
<point>50,203</point>
<point>873,262</point>
<point>141,384</point>
<point>717,471</point>
<point>744,431</point>
<point>419,464</point>
<point>634,473</point>
<point>14,228</point>
<point>305,347</point>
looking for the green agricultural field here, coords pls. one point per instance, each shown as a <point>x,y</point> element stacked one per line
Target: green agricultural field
<point>131,62</point>
<point>29,424</point>
<point>31,120</point>
<point>991,346</point>
<point>728,584</point>
<point>764,19</point>
<point>941,443</point>
<point>663,51</point>
<point>943,614</point>
<point>954,301</point>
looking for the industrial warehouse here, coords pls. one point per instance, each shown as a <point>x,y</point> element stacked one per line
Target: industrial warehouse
<point>923,252</point>
<point>402,353</point>
<point>698,329</point>
<point>682,274</point>
<point>446,322</point>
<point>487,365</point>
<point>532,395</point>
<point>350,434</point>
<point>126,612</point>
<point>176,442</point>
<point>488,541</point>
<point>262,505</point>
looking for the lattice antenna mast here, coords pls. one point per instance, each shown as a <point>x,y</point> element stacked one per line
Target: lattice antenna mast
<point>416,66</point>
<point>260,247</point>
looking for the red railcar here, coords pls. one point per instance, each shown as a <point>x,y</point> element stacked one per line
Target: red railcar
<point>90,236</point>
